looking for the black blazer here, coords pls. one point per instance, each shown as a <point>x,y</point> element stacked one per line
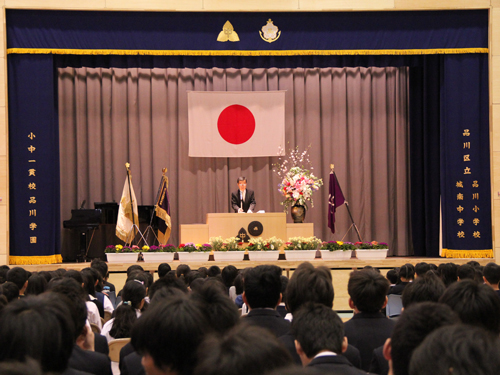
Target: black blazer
<point>268,319</point>
<point>89,361</point>
<point>367,331</point>
<point>334,364</point>
<point>248,203</point>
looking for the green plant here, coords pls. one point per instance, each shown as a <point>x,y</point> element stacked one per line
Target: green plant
<point>303,243</point>
<point>231,244</point>
<point>217,243</point>
<point>372,245</point>
<point>337,245</point>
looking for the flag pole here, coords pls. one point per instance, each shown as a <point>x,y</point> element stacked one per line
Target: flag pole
<point>150,226</point>
<point>347,205</point>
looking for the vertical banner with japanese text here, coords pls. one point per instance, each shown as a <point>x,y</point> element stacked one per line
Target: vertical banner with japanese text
<point>465,159</point>
<point>34,161</point>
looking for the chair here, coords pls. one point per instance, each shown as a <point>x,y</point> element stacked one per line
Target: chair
<point>114,348</point>
<point>95,328</point>
<point>107,315</point>
<point>394,305</point>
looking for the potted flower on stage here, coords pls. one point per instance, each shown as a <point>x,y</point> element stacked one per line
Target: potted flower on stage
<point>194,252</point>
<point>120,253</point>
<point>337,250</point>
<point>298,183</point>
<point>161,253</point>
<point>371,250</point>
<point>302,248</point>
<point>227,249</point>
<point>264,250</point>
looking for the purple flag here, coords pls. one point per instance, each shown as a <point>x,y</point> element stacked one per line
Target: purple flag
<point>163,213</point>
<point>335,199</point>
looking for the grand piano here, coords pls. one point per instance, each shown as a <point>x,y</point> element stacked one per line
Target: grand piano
<point>83,221</point>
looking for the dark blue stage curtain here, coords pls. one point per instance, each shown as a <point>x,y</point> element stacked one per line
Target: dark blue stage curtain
<point>446,51</point>
<point>34,161</point>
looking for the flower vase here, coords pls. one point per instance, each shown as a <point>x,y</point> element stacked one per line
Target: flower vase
<point>298,213</point>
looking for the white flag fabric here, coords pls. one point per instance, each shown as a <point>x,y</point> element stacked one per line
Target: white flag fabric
<point>236,123</point>
<point>127,209</point>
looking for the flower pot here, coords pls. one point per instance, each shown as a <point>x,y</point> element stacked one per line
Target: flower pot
<point>371,254</point>
<point>184,256</point>
<point>336,254</point>
<point>298,213</point>
<point>260,255</point>
<point>122,257</point>
<point>158,257</point>
<point>300,254</point>
<point>228,256</point>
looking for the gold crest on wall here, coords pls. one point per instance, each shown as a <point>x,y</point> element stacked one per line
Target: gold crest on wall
<point>228,33</point>
<point>270,32</point>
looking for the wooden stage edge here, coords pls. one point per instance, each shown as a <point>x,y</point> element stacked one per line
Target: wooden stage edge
<point>353,263</point>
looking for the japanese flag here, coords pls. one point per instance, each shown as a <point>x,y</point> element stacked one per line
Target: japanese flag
<point>236,124</point>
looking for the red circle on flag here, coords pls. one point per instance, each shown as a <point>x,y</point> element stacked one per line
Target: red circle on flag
<point>236,124</point>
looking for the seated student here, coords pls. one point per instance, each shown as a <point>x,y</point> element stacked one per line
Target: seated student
<point>127,313</point>
<point>369,328</point>
<point>10,291</point>
<point>238,286</point>
<point>41,328</point>
<point>108,289</point>
<point>426,288</point>
<point>83,356</point>
<point>311,284</point>
<point>448,273</point>
<point>319,339</point>
<point>245,350</point>
<point>392,276</point>
<point>476,304</point>
<point>19,276</point>
<point>465,271</point>
<point>411,329</point>
<point>228,275</point>
<point>281,309</point>
<point>491,276</point>
<point>3,273</point>
<point>457,349</point>
<point>36,285</point>
<point>262,294</point>
<point>167,336</point>
<point>93,313</point>
<point>163,269</point>
<point>405,276</point>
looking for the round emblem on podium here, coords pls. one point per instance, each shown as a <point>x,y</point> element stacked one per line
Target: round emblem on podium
<point>255,228</point>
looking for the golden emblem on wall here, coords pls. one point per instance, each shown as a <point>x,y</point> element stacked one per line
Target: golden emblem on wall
<point>269,32</point>
<point>228,33</point>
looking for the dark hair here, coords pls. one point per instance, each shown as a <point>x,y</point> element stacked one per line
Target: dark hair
<point>309,284</point>
<point>100,266</point>
<point>457,349</point>
<point>88,281</point>
<point>18,276</point>
<point>182,270</point>
<point>473,263</point>
<point>228,274</point>
<point>133,268</point>
<point>28,367</point>
<point>466,271</point>
<point>241,178</point>
<point>491,273</point>
<point>262,286</point>
<point>9,290</point>
<point>3,273</point>
<point>448,273</point>
<point>422,268</point>
<point>37,327</point>
<point>125,315</point>
<point>74,298</point>
<point>139,276</point>
<point>203,271</point>
<point>407,271</point>
<point>318,328</point>
<point>248,350</point>
<point>98,280</point>
<point>413,325</point>
<point>426,288</point>
<point>284,285</point>
<point>238,283</point>
<point>163,269</point>
<point>221,312</point>
<point>368,290</point>
<point>476,304</point>
<point>36,285</point>
<point>46,274</point>
<point>75,275</point>
<point>170,333</point>
<point>213,271</point>
<point>191,276</point>
<point>167,282</point>
<point>392,275</point>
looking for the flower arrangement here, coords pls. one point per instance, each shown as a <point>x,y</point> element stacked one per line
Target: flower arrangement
<point>303,243</point>
<point>125,249</point>
<point>231,244</point>
<point>258,243</point>
<point>190,247</point>
<point>337,245</point>
<point>217,243</point>
<point>372,245</point>
<point>297,181</point>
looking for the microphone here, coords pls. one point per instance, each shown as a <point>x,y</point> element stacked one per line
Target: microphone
<point>83,204</point>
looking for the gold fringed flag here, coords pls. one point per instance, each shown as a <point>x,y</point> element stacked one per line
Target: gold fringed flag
<point>163,212</point>
<point>128,215</point>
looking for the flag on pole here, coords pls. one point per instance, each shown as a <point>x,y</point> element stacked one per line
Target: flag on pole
<point>236,124</point>
<point>163,213</point>
<point>335,199</point>
<point>128,213</point>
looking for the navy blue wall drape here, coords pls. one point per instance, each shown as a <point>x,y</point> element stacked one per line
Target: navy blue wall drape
<point>449,93</point>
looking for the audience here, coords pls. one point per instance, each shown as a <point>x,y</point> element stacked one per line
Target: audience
<point>426,288</point>
<point>491,276</point>
<point>18,276</point>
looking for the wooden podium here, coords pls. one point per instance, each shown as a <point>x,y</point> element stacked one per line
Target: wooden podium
<point>228,225</point>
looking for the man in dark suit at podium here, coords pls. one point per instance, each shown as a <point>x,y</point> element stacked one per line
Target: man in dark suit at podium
<point>243,200</point>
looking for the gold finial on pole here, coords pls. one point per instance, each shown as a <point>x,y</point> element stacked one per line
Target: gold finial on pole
<point>331,168</point>
<point>164,171</point>
<point>127,165</point>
